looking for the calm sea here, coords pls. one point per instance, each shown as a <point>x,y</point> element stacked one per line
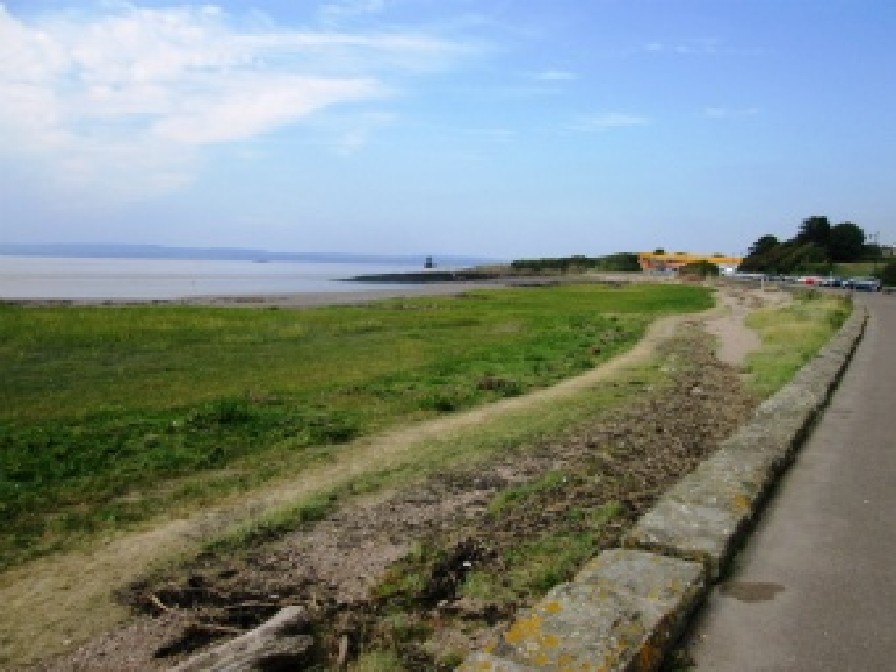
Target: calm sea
<point>77,278</point>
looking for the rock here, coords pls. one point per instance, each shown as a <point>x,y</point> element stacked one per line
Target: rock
<point>621,611</point>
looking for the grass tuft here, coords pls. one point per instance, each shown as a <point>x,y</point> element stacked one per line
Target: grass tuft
<point>791,336</point>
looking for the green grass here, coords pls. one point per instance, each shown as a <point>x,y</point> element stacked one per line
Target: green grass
<point>509,433</point>
<point>856,269</point>
<point>509,497</point>
<point>110,415</point>
<point>377,661</point>
<point>534,567</point>
<point>791,336</point>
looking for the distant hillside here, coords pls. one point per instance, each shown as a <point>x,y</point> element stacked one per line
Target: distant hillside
<point>111,251</point>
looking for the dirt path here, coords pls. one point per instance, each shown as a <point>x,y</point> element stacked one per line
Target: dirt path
<point>735,339</point>
<point>53,603</point>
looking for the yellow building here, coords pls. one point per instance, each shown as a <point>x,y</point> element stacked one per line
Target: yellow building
<point>671,261</point>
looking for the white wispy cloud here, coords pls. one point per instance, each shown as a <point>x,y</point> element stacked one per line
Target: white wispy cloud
<point>357,134</point>
<point>696,46</point>
<point>604,121</point>
<point>131,95</point>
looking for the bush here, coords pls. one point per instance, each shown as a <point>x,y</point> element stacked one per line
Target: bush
<point>888,275</point>
<point>700,269</point>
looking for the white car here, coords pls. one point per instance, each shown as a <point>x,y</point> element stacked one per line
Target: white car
<point>863,284</point>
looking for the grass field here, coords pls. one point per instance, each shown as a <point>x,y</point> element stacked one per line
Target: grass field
<point>110,415</point>
<point>791,336</point>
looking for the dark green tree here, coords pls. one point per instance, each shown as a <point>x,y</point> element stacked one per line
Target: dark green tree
<point>764,245</point>
<point>888,275</point>
<point>846,242</point>
<point>815,230</point>
<point>701,269</point>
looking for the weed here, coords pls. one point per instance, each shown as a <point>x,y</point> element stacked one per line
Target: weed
<point>377,661</point>
<point>274,524</point>
<point>521,494</point>
<point>791,336</point>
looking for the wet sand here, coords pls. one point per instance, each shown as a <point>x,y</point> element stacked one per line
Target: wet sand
<point>286,300</point>
<point>354,295</point>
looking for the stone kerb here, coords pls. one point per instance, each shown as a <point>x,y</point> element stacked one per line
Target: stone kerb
<point>627,607</point>
<point>623,606</point>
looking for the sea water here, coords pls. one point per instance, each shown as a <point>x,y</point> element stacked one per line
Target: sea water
<point>27,277</point>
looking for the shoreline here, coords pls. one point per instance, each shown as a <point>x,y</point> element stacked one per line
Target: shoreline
<point>402,286</point>
<point>285,300</point>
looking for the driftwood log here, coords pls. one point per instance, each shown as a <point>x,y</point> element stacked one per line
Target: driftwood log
<point>277,644</point>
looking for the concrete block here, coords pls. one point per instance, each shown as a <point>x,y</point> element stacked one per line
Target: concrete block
<point>767,445</point>
<point>691,531</point>
<point>620,613</point>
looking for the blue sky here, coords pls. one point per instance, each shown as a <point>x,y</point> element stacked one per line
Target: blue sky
<point>493,128</point>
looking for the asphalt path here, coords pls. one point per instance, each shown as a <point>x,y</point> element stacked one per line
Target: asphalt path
<point>815,586</point>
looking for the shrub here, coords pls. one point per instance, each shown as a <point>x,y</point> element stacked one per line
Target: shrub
<point>888,275</point>
<point>701,269</point>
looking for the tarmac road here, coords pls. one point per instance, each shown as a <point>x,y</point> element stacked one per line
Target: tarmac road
<point>815,586</point>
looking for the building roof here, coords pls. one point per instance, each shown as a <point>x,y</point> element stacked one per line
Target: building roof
<point>689,257</point>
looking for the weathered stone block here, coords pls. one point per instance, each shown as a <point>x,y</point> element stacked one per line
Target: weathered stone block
<point>766,445</point>
<point>485,662</point>
<point>690,531</point>
<point>619,613</point>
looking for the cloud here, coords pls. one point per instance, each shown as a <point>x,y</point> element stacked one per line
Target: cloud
<point>704,46</point>
<point>130,96</point>
<point>357,135</point>
<point>555,76</point>
<point>246,107</point>
<point>605,121</point>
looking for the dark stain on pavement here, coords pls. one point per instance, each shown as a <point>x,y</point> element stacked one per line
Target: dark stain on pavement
<point>747,591</point>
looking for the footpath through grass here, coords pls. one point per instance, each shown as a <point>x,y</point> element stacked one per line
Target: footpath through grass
<point>110,415</point>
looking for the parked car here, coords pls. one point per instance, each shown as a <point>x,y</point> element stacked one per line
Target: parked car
<point>831,281</point>
<point>863,284</point>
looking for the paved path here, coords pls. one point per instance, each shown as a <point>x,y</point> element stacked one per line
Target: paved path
<point>815,587</point>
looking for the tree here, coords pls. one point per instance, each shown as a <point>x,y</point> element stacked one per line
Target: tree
<point>814,230</point>
<point>803,257</point>
<point>846,242</point>
<point>700,269</point>
<point>763,246</point>
<point>888,275</point>
<point>762,254</point>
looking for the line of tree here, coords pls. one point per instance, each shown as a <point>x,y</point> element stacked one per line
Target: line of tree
<point>816,245</point>
<point>620,261</point>
<point>699,269</point>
